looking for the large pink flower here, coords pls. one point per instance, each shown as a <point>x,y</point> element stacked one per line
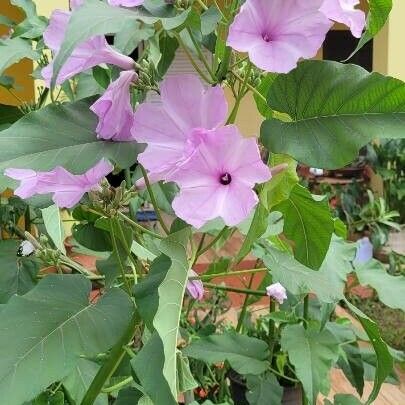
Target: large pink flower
<point>67,188</point>
<point>218,179</point>
<point>344,11</point>
<point>125,3</point>
<point>277,33</point>
<point>86,55</point>
<point>166,127</point>
<point>114,109</point>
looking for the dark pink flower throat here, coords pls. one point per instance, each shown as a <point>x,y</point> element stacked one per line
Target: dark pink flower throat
<point>225,179</point>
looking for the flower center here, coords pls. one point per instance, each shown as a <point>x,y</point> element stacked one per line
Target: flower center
<point>225,179</point>
<point>266,37</point>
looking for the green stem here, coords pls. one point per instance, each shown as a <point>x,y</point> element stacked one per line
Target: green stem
<point>154,202</point>
<point>236,290</point>
<point>128,179</point>
<point>272,330</point>
<point>294,380</point>
<point>306,310</point>
<point>242,314</point>
<point>192,61</point>
<point>208,277</point>
<point>27,219</point>
<point>108,368</point>
<point>139,227</point>
<point>204,6</point>
<point>200,54</point>
<point>211,244</point>
<point>67,261</point>
<point>118,386</point>
<point>117,254</point>
<point>250,87</point>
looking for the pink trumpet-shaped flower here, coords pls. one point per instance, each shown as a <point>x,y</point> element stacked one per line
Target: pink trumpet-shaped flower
<point>195,288</point>
<point>86,55</point>
<point>76,3</point>
<point>67,188</point>
<point>114,109</point>
<point>125,3</point>
<point>218,179</point>
<point>166,127</point>
<point>277,291</point>
<point>277,33</point>
<point>344,11</point>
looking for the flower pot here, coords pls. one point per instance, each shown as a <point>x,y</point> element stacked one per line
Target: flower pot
<point>238,388</point>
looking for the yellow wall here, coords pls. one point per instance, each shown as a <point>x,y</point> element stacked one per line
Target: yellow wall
<point>45,7</point>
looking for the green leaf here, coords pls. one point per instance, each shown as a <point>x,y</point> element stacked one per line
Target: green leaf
<point>79,380</point>
<point>91,237</point>
<point>379,11</point>
<point>59,135</point>
<point>131,35</point>
<point>128,396</point>
<point>209,20</point>
<point>168,47</point>
<point>246,355</point>
<point>53,226</point>
<point>263,88</point>
<point>185,380</point>
<point>27,5</point>
<point>148,365</point>
<point>390,289</point>
<point>384,359</point>
<point>335,109</point>
<point>12,50</point>
<point>281,185</point>
<point>344,399</point>
<point>95,18</point>
<point>9,114</point>
<point>307,222</point>
<point>51,327</point>
<point>17,275</point>
<point>264,390</point>
<point>328,283</point>
<point>171,292</point>
<point>101,76</point>
<point>312,353</point>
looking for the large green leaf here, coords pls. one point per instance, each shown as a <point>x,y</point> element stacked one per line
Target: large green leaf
<point>246,355</point>
<point>17,275</point>
<point>79,380</point>
<point>312,353</point>
<point>379,11</point>
<point>12,50</point>
<point>50,328</point>
<point>54,227</point>
<point>9,114</point>
<point>171,292</point>
<point>264,390</point>
<point>328,283</point>
<point>307,222</point>
<point>344,399</point>
<point>59,135</point>
<point>28,6</point>
<point>148,365</point>
<point>385,362</point>
<point>95,18</point>
<point>390,289</point>
<point>335,109</point>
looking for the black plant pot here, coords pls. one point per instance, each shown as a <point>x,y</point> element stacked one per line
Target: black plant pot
<point>238,388</point>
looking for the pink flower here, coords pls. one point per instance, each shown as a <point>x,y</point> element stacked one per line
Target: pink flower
<point>125,3</point>
<point>277,291</point>
<point>277,33</point>
<point>76,3</point>
<point>195,288</point>
<point>166,127</point>
<point>67,188</point>
<point>114,109</point>
<point>85,56</point>
<point>344,11</point>
<point>218,179</point>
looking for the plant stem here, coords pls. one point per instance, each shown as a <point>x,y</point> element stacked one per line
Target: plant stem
<point>139,227</point>
<point>128,180</point>
<point>208,277</point>
<point>236,290</point>
<point>192,61</point>
<point>107,369</point>
<point>241,94</point>
<point>306,310</point>
<point>242,314</point>
<point>204,6</point>
<point>117,386</point>
<point>117,254</point>
<point>272,330</point>
<point>283,376</point>
<point>200,54</point>
<point>250,87</point>
<point>212,243</point>
<point>154,202</point>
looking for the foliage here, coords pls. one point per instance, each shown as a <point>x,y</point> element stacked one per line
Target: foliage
<point>130,328</point>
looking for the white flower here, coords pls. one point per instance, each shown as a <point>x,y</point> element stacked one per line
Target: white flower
<point>277,291</point>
